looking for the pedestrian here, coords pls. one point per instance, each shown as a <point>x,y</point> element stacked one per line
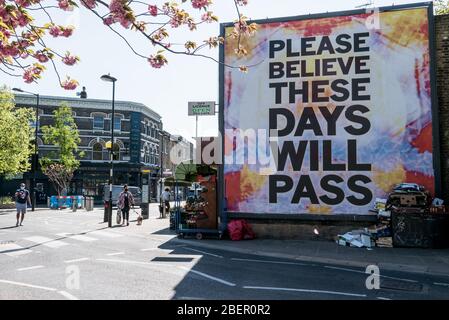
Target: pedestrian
<point>22,197</point>
<point>125,201</point>
<point>166,200</point>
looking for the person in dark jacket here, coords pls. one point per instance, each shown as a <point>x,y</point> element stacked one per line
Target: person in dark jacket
<point>22,197</point>
<point>125,201</point>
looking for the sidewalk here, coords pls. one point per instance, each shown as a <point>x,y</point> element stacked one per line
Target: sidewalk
<point>427,261</point>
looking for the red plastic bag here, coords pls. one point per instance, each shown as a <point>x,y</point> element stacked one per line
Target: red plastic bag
<point>248,232</point>
<point>240,230</point>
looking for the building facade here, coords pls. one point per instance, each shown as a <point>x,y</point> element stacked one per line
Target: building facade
<point>136,144</point>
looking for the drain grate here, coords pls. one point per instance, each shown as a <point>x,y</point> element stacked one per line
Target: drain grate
<point>400,285</point>
<point>5,242</point>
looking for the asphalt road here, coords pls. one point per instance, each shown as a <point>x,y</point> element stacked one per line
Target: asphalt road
<point>65,255</point>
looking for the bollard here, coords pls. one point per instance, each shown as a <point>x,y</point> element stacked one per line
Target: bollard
<point>74,204</point>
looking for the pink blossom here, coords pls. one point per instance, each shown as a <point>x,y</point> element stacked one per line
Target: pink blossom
<point>67,32</point>
<point>157,61</point>
<point>70,60</point>
<point>69,84</point>
<point>23,3</point>
<point>41,57</point>
<point>55,31</point>
<point>108,20</point>
<point>199,4</point>
<point>65,5</point>
<point>153,10</point>
<point>89,3</point>
<point>208,17</point>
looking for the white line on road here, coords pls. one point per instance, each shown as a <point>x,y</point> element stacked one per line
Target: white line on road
<point>307,290</point>
<point>358,271</point>
<point>48,242</point>
<point>77,237</point>
<point>208,276</point>
<point>157,249</point>
<point>382,298</point>
<point>26,285</point>
<point>152,264</point>
<point>115,253</point>
<point>441,284</point>
<point>271,261</point>
<point>76,260</point>
<point>106,234</point>
<point>12,249</point>
<point>68,295</point>
<point>203,252</point>
<point>30,268</point>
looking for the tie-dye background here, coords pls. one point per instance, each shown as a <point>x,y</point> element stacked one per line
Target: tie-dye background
<point>399,143</point>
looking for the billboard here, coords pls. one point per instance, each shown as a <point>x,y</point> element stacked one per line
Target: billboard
<point>334,111</point>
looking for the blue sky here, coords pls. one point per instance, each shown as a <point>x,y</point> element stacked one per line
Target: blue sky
<point>165,90</point>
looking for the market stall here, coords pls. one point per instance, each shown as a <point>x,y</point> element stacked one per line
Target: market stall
<point>198,215</point>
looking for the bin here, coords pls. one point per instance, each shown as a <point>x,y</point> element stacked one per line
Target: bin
<point>420,230</point>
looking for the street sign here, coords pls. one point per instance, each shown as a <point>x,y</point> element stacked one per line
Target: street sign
<point>202,108</point>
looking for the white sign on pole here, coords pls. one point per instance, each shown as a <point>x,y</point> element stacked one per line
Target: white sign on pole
<point>202,108</point>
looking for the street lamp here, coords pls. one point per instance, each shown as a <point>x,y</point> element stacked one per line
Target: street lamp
<point>108,215</point>
<point>163,134</point>
<point>34,163</point>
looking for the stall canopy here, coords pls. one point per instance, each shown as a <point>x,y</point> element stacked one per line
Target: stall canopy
<point>188,171</point>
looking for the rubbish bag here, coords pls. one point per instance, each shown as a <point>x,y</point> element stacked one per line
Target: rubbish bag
<point>240,230</point>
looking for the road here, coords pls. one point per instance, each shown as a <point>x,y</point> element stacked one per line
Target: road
<point>66,255</point>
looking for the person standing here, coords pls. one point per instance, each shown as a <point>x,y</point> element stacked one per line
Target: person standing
<point>166,201</point>
<point>22,197</point>
<point>125,201</point>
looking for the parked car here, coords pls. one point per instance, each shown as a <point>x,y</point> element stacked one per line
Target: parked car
<point>116,189</point>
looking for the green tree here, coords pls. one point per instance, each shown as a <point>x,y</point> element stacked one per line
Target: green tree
<point>442,6</point>
<point>15,135</point>
<point>60,164</point>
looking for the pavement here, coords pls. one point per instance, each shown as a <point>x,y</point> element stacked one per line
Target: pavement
<point>73,255</point>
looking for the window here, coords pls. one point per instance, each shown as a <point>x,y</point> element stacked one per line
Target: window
<point>99,122</point>
<point>146,155</point>
<point>97,151</point>
<point>117,123</point>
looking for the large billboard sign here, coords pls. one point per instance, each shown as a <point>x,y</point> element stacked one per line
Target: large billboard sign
<point>334,111</point>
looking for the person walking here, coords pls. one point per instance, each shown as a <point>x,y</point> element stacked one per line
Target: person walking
<point>22,197</point>
<point>125,201</point>
<point>166,201</point>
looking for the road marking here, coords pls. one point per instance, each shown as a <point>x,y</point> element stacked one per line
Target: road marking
<point>30,268</point>
<point>106,234</point>
<point>203,252</point>
<point>271,261</point>
<point>208,276</point>
<point>157,249</point>
<point>26,285</point>
<point>114,253</point>
<point>76,260</point>
<point>48,242</point>
<point>441,284</point>
<point>382,298</point>
<point>68,295</point>
<point>358,271</point>
<point>152,264</point>
<point>307,290</point>
<point>12,249</point>
<point>76,237</point>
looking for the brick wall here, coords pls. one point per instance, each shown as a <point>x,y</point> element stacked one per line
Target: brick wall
<point>442,64</point>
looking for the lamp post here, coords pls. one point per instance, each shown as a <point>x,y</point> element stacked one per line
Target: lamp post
<point>163,135</point>
<point>34,163</point>
<point>108,214</point>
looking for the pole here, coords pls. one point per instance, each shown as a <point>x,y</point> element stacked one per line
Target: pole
<point>35,163</point>
<point>160,173</point>
<point>111,172</point>
<point>196,129</point>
